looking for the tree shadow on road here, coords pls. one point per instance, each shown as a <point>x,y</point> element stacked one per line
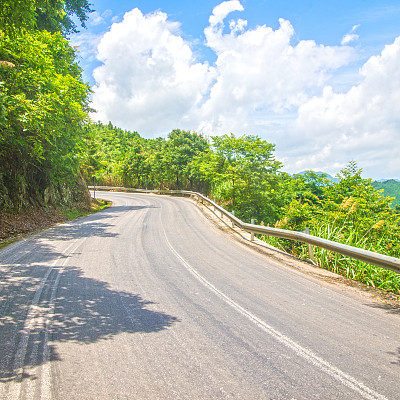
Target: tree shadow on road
<point>391,307</point>
<point>98,224</point>
<point>85,311</point>
<point>88,310</point>
<point>45,302</point>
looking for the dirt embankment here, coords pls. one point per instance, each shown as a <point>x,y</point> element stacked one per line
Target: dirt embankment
<point>29,220</point>
<point>33,219</point>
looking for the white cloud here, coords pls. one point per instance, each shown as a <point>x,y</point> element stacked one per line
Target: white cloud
<point>351,36</point>
<point>221,11</point>
<point>361,124</point>
<point>238,26</point>
<point>149,80</point>
<point>263,82</point>
<point>86,44</point>
<point>348,38</point>
<point>259,69</point>
<point>95,18</point>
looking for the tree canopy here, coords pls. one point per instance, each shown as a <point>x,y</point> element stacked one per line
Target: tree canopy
<point>50,15</point>
<point>44,103</point>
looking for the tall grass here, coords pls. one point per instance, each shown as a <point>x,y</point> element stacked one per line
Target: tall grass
<point>354,269</point>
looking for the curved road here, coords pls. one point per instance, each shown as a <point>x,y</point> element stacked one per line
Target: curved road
<point>149,300</point>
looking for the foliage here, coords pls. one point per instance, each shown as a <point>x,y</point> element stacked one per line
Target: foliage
<point>247,180</point>
<point>51,15</point>
<point>180,148</point>
<point>43,107</point>
<point>352,212</point>
<point>117,157</point>
<point>112,155</point>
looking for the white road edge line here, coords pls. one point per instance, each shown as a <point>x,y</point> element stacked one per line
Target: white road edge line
<point>301,351</point>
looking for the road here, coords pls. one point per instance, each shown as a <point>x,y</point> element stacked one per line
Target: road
<point>149,300</point>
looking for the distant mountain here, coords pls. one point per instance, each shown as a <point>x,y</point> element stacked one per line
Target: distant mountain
<point>386,180</point>
<point>330,177</point>
<point>391,188</point>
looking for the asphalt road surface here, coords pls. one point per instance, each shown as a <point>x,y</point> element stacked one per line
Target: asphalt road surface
<point>149,300</point>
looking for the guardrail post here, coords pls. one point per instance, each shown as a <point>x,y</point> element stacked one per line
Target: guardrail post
<point>310,249</point>
<point>233,213</point>
<point>252,233</point>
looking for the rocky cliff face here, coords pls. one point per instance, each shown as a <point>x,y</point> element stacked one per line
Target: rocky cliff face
<point>68,194</point>
<point>23,192</point>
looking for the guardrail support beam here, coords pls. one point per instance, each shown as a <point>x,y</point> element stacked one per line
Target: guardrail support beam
<point>310,249</point>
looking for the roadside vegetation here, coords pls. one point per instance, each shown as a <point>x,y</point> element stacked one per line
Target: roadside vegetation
<point>50,151</point>
<point>44,104</point>
<point>44,107</point>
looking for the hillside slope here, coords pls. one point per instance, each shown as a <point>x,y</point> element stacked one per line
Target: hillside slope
<point>391,188</point>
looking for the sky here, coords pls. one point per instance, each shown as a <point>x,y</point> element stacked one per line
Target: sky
<point>319,79</point>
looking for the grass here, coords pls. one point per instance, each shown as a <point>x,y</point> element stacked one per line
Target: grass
<point>6,242</point>
<point>96,205</point>
<point>368,274</point>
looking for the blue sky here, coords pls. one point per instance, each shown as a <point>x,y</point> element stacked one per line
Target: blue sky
<point>317,78</point>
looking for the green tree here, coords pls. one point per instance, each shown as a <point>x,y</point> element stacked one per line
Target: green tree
<point>180,149</point>
<point>44,106</point>
<point>137,165</point>
<point>108,151</point>
<point>204,171</point>
<point>309,186</point>
<point>50,15</point>
<point>246,178</point>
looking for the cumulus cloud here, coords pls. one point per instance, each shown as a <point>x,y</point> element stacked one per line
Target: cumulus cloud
<point>151,81</point>
<point>260,69</point>
<point>263,82</point>
<point>362,123</point>
<point>221,11</point>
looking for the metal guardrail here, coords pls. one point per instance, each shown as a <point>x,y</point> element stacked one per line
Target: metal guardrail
<point>367,256</point>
